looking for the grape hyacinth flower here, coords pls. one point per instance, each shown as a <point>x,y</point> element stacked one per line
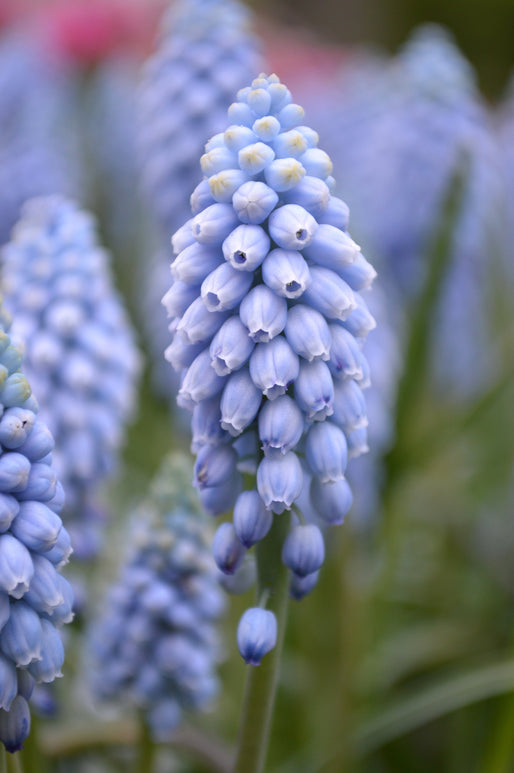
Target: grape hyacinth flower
<point>268,323</point>
<point>80,351</point>
<point>35,599</point>
<point>398,142</point>
<point>156,645</point>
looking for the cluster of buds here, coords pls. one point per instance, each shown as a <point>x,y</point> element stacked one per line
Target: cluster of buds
<point>268,323</point>
<point>35,599</point>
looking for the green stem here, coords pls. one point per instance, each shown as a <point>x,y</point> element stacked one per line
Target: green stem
<point>14,763</point>
<point>261,681</point>
<point>3,760</point>
<point>146,749</point>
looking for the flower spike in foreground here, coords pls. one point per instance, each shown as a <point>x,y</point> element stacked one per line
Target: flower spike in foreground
<point>157,645</point>
<point>269,339</point>
<point>35,599</point>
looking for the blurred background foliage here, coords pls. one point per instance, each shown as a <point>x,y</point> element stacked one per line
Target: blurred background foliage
<point>402,659</point>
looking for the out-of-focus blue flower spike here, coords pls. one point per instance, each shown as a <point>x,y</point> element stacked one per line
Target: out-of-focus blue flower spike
<point>209,46</point>
<point>256,634</point>
<point>156,646</point>
<point>87,392</point>
<point>304,549</point>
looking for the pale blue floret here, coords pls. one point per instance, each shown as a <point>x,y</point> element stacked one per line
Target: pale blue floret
<point>286,273</point>
<point>302,586</point>
<point>281,425</point>
<point>279,481</point>
<point>256,634</point>
<point>304,549</point>
<point>293,335</point>
<point>15,724</point>
<point>227,549</point>
<point>251,519</point>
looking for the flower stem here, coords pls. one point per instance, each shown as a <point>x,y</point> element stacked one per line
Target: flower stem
<point>146,749</point>
<point>14,763</point>
<point>261,681</point>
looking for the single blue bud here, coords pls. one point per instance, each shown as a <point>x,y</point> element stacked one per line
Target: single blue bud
<point>246,247</point>
<point>8,683</point>
<point>281,425</point>
<point>239,113</point>
<point>256,157</point>
<point>60,553</point>
<point>290,144</point>
<point>20,638</point>
<point>256,634</point>
<point>237,137</point>
<point>284,173</point>
<point>360,274</point>
<point>45,593</point>
<point>292,227</point>
<point>240,402</point>
<point>183,236</point>
<point>14,471</point>
<point>227,550</point>
<point>357,441</point>
<point>15,724</point>
<point>349,406</point>
<point>63,613</point>
<point>16,567</point>
<point>337,213</point>
<point>49,666</point>
<point>331,500</point>
<point>200,382</point>
<point>198,324</point>
<point>304,550</point>
<point>200,198</point>
<point>263,313</point>
<point>196,262</point>
<point>302,586</point>
<point>41,485</point>
<point>291,115</point>
<point>359,322</point>
<point>266,127</point>
<point>37,526</point>
<point>307,333</point>
<point>213,224</point>
<point>224,184</point>
<point>251,519</point>
<point>39,442</point>
<point>214,465</point>
<point>259,100</point>
<point>286,273</point>
<point>231,347</point>
<point>254,201</point>
<point>9,508</point>
<point>216,160</point>
<point>279,481</point>
<point>180,354</point>
<point>345,354</point>
<point>205,424</point>
<point>26,684</point>
<point>314,390</point>
<point>179,297</point>
<point>224,288</point>
<point>312,194</point>
<point>329,294</point>
<point>274,366</point>
<point>15,390</point>
<point>317,163</point>
<point>15,426</point>
<point>326,451</point>
<point>332,248</point>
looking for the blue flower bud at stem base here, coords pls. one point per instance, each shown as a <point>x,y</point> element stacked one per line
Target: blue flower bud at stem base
<point>256,634</point>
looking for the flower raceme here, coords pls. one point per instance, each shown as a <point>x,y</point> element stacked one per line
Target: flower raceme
<point>35,599</point>
<point>268,323</point>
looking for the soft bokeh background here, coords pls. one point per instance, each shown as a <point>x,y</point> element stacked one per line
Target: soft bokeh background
<point>402,659</point>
